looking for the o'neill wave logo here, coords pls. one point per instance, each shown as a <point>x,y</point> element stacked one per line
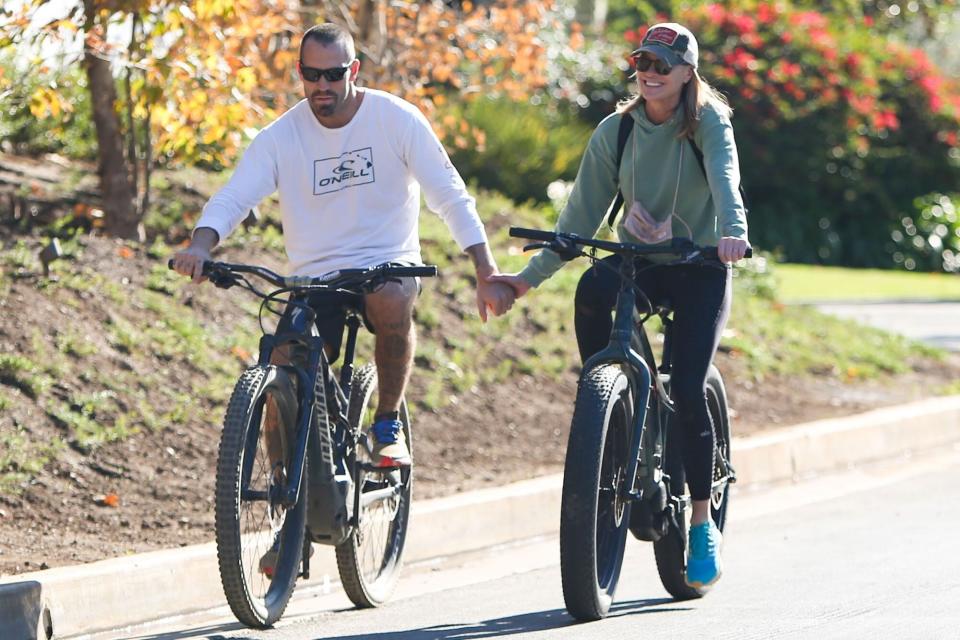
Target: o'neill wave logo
<point>348,170</point>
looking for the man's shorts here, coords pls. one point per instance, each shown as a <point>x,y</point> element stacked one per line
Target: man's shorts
<point>331,309</point>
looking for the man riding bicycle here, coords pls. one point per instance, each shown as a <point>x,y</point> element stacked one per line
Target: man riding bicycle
<point>348,163</point>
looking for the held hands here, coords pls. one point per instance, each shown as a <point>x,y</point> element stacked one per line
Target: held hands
<point>494,296</point>
<point>731,249</point>
<point>518,285</point>
<point>498,292</point>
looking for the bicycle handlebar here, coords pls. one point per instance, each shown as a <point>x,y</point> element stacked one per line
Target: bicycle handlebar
<point>334,280</point>
<point>679,246</point>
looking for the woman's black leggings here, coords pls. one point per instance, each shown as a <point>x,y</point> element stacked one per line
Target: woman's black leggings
<point>700,297</point>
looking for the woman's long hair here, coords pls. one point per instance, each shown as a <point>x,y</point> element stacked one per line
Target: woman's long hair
<point>695,95</point>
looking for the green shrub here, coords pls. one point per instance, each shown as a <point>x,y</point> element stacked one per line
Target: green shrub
<point>929,240</point>
<point>526,147</point>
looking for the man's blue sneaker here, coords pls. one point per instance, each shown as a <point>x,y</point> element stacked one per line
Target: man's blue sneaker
<point>703,555</point>
<point>389,444</point>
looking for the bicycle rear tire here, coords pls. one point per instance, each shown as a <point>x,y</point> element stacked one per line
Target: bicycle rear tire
<point>370,559</point>
<point>594,517</point>
<point>669,550</point>
<point>248,526</point>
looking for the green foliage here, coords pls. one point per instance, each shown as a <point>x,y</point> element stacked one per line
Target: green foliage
<point>526,147</point>
<point>29,126</point>
<point>929,240</point>
<point>756,276</point>
<point>841,122</point>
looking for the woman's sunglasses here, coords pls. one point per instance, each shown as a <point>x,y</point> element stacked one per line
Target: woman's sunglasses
<point>333,74</point>
<point>643,63</point>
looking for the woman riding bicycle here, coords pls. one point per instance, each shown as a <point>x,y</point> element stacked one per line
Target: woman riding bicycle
<point>669,193</point>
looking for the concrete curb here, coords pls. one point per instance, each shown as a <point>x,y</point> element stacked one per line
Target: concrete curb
<point>70,601</point>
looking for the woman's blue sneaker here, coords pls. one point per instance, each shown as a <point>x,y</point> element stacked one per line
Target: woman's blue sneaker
<point>703,555</point>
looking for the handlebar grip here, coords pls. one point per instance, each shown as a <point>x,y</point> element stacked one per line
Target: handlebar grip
<point>208,266</point>
<point>532,234</point>
<point>422,271</point>
<point>711,253</point>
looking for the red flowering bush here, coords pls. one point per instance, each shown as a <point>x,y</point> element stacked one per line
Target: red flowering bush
<point>840,127</point>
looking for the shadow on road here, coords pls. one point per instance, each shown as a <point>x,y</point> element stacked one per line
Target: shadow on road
<point>211,632</point>
<point>493,628</point>
<point>508,625</point>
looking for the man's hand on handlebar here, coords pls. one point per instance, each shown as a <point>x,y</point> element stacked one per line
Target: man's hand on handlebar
<point>189,262</point>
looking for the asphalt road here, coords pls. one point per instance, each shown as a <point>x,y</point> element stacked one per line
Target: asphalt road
<point>937,323</point>
<point>869,553</point>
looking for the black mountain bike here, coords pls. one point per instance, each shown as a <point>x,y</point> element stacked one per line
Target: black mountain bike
<point>619,473</point>
<point>310,478</point>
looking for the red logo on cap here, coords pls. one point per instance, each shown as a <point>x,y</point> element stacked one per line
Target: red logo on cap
<point>663,35</point>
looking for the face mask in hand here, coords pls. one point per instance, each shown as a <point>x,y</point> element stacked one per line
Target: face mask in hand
<point>642,225</point>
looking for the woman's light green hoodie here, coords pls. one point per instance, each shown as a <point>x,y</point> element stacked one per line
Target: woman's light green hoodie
<point>657,169</point>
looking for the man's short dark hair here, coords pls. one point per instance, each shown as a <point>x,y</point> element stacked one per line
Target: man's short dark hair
<point>327,34</point>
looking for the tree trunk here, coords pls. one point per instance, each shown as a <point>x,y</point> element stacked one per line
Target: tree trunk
<point>119,208</point>
<point>592,13</point>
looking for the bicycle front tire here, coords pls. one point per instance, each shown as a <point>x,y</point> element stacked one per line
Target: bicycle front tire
<point>594,516</point>
<point>250,521</point>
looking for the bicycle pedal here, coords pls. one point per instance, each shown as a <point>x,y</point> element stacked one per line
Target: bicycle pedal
<point>733,474</point>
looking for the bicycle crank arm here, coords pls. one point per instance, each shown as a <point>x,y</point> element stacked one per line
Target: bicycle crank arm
<point>249,495</point>
<point>369,497</point>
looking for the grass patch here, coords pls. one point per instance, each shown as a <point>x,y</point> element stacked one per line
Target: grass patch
<point>22,457</point>
<point>804,283</point>
<point>74,344</point>
<point>21,372</point>
<point>90,420</point>
<point>163,280</point>
<point>790,340</point>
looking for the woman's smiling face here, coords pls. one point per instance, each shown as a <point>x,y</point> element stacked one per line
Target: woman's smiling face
<point>655,87</point>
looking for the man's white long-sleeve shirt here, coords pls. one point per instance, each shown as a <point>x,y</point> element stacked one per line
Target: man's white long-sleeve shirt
<point>349,197</point>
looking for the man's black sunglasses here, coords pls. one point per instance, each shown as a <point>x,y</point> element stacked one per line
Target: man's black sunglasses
<point>333,74</point>
<point>643,63</point>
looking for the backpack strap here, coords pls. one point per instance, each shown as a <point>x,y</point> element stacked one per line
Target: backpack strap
<point>626,125</point>
<point>699,154</point>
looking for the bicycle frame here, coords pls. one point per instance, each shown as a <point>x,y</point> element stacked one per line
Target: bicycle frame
<point>320,438</point>
<point>641,371</point>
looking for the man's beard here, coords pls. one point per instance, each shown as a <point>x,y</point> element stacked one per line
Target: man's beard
<point>326,109</point>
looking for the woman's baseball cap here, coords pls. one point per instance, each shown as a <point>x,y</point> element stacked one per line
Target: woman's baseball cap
<point>671,42</point>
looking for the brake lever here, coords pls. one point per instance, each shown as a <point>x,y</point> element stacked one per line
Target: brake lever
<point>561,246</point>
<point>223,280</point>
<point>536,245</point>
<point>565,248</point>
